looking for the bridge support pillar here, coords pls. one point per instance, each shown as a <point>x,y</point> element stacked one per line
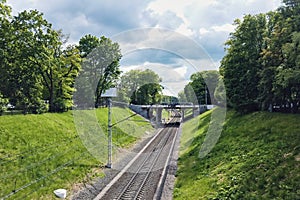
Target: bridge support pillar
<point>182,114</point>
<point>158,116</point>
<point>196,112</point>
<point>149,113</point>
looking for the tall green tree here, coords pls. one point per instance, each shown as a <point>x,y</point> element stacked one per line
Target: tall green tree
<point>52,68</point>
<point>260,68</point>
<point>287,82</point>
<point>271,58</point>
<point>35,67</point>
<point>68,68</point>
<point>101,58</point>
<point>5,35</point>
<point>87,44</point>
<point>281,26</point>
<point>240,65</point>
<point>23,81</point>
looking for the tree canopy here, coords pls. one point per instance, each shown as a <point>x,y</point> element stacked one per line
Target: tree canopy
<point>100,65</point>
<point>261,66</point>
<point>201,88</point>
<point>140,87</point>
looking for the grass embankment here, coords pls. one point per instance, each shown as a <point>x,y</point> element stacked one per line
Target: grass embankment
<point>40,153</point>
<point>256,157</point>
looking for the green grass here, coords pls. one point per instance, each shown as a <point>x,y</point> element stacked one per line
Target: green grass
<point>47,149</point>
<point>188,112</point>
<point>256,157</point>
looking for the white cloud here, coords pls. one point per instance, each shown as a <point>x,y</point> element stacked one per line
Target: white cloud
<point>209,22</point>
<point>181,70</point>
<point>159,7</point>
<point>185,30</point>
<point>203,31</point>
<point>224,28</point>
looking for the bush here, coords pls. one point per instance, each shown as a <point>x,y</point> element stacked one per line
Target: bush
<point>39,107</point>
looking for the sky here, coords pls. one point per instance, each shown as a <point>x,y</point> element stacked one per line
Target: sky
<point>175,38</point>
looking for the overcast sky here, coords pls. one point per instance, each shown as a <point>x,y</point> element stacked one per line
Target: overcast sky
<point>171,50</point>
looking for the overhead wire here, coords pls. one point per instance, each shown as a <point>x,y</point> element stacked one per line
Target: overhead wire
<point>35,164</point>
<point>43,177</point>
<point>34,149</point>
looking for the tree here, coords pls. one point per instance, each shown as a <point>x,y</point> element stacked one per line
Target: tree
<point>280,29</point>
<point>271,58</point>
<point>135,83</point>
<point>23,81</point>
<point>211,79</point>
<point>240,66</point>
<point>220,92</point>
<point>68,69</point>
<point>129,84</point>
<point>165,99</point>
<point>148,94</point>
<point>287,82</point>
<point>202,86</point>
<point>87,44</point>
<point>190,94</point>
<point>5,30</point>
<point>36,68</point>
<point>261,65</point>
<point>292,3</point>
<point>199,87</point>
<point>100,64</point>
<point>40,48</point>
<point>182,96</point>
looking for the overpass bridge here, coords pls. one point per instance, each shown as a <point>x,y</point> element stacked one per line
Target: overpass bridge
<point>148,111</point>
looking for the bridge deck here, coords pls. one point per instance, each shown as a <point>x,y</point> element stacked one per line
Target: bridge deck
<point>170,106</point>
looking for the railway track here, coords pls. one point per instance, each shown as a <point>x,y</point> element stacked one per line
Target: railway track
<point>141,178</point>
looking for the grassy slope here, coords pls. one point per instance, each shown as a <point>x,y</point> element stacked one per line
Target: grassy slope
<point>33,146</point>
<point>256,157</point>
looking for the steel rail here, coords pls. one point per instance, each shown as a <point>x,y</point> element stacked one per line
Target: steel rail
<point>144,177</point>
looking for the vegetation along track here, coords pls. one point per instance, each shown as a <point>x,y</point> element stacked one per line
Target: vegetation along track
<point>142,177</point>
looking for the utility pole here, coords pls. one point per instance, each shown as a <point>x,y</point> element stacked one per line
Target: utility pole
<point>109,162</point>
<point>112,92</point>
<point>205,95</point>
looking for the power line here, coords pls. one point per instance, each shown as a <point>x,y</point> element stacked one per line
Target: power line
<point>36,164</point>
<point>43,177</point>
<point>123,120</point>
<point>43,148</point>
<point>44,185</point>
